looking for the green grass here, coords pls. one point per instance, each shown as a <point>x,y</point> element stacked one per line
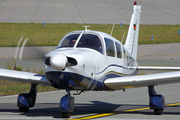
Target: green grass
<point>161,34</point>
<point>11,88</point>
<point>51,34</point>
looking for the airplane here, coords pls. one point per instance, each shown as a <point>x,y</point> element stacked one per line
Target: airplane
<point>93,61</point>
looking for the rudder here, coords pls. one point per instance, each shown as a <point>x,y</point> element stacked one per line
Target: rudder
<point>132,38</point>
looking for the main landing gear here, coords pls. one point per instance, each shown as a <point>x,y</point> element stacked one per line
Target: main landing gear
<point>27,100</point>
<point>156,101</point>
<point>67,105</point>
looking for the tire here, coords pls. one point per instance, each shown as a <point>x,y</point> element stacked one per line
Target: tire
<point>66,114</point>
<point>158,111</point>
<point>23,109</point>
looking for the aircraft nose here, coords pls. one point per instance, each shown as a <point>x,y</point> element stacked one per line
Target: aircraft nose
<point>58,61</point>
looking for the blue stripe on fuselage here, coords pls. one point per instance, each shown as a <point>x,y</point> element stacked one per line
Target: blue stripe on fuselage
<point>110,66</point>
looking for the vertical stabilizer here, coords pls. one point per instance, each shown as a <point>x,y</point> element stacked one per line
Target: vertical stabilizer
<point>132,38</point>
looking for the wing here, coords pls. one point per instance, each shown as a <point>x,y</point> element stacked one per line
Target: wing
<point>143,80</point>
<point>24,77</point>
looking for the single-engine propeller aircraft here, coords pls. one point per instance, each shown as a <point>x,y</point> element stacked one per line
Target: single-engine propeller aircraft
<point>92,60</point>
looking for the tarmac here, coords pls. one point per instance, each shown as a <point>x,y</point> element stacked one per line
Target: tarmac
<point>88,11</point>
<point>129,105</point>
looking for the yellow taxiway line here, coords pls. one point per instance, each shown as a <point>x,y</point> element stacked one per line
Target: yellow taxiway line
<point>109,114</point>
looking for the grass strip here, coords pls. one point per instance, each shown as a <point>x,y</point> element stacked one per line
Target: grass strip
<point>12,88</point>
<point>51,34</point>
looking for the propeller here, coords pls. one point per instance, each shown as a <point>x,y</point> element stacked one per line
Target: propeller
<point>30,51</point>
<point>30,54</point>
<point>29,57</point>
<point>21,49</point>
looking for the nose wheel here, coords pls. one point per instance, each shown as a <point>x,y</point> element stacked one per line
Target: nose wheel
<point>66,114</point>
<point>158,111</point>
<point>67,105</point>
<point>23,109</point>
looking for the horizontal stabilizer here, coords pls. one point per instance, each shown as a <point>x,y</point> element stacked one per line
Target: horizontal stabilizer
<point>159,68</point>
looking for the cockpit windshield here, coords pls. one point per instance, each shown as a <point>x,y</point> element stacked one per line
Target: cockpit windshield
<point>86,40</point>
<point>90,41</point>
<point>69,41</point>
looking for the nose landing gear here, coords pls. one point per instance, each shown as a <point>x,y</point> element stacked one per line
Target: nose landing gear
<point>67,105</point>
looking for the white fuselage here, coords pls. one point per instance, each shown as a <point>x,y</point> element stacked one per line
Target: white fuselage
<point>93,67</point>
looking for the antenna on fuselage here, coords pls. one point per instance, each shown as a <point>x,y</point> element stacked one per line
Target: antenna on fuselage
<point>112,29</point>
<point>123,37</point>
<point>86,28</point>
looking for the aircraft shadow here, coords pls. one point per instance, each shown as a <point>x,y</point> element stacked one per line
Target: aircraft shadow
<point>97,107</point>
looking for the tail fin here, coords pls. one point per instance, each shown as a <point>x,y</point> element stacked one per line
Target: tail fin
<point>132,38</point>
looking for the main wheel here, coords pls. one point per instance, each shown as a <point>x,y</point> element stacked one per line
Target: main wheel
<point>66,114</point>
<point>23,109</point>
<point>158,111</point>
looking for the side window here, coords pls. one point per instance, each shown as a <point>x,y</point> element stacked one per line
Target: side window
<point>109,47</point>
<point>119,52</point>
